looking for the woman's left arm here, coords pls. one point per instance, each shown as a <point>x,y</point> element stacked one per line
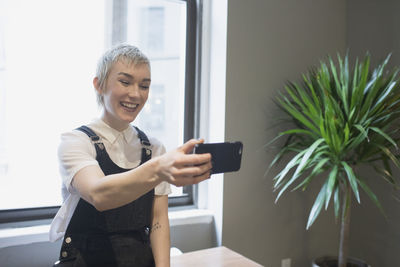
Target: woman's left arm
<point>159,235</point>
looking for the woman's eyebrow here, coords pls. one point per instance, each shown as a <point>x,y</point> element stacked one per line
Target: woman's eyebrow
<point>131,76</point>
<point>126,74</point>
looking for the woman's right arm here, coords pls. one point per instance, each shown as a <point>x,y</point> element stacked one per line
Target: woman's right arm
<point>176,167</point>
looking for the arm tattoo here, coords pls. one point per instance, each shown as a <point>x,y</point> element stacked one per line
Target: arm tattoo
<point>155,226</point>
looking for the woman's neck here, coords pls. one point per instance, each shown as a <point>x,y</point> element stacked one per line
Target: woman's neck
<point>119,126</point>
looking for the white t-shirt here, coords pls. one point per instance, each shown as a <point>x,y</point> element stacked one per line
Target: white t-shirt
<point>76,151</point>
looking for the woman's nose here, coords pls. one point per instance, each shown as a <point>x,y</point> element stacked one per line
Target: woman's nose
<point>133,90</point>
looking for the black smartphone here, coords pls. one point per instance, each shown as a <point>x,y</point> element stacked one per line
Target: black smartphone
<point>225,157</point>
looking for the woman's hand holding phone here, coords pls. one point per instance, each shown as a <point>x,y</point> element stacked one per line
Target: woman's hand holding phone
<point>226,156</point>
<point>179,167</point>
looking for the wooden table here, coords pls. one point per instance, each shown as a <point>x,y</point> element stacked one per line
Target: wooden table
<point>213,257</point>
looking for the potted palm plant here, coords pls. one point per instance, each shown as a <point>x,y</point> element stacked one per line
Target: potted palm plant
<point>341,118</point>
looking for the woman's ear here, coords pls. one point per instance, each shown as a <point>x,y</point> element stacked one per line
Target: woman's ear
<point>96,85</point>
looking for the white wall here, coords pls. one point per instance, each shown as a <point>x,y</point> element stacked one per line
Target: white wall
<point>268,43</point>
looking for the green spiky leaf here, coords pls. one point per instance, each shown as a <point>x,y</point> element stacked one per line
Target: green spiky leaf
<point>344,116</point>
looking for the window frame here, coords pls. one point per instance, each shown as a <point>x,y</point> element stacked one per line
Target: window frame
<point>192,92</point>
<point>192,103</point>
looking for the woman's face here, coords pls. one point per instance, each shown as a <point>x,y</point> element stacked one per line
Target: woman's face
<point>126,92</point>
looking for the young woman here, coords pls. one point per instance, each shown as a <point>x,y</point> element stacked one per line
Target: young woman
<point>116,179</point>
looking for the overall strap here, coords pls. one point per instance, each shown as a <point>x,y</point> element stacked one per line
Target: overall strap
<point>144,140</point>
<point>88,131</point>
<point>93,137</point>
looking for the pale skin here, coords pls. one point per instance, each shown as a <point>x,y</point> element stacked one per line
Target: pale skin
<point>124,94</point>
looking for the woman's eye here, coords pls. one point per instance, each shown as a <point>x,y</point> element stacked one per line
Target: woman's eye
<point>124,82</point>
<point>144,87</point>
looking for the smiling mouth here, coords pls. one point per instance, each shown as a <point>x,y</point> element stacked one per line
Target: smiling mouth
<point>129,106</point>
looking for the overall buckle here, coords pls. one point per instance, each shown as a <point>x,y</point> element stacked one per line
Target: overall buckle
<point>96,141</point>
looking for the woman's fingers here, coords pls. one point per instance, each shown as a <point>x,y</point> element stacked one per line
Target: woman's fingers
<point>181,168</point>
<point>182,181</point>
<point>189,145</point>
<point>192,159</point>
<point>191,174</point>
<point>192,171</point>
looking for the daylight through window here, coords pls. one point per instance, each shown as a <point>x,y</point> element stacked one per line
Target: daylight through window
<point>48,55</point>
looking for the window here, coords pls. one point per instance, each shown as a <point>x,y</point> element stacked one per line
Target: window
<point>48,55</point>
<point>3,154</point>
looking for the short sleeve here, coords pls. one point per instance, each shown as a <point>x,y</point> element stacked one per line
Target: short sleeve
<point>75,152</point>
<point>163,188</point>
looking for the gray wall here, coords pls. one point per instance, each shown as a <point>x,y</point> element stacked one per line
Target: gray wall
<point>270,42</point>
<point>373,25</point>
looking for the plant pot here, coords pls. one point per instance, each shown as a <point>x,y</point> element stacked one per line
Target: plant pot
<point>333,262</point>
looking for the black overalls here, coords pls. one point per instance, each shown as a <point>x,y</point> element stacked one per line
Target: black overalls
<point>117,237</point>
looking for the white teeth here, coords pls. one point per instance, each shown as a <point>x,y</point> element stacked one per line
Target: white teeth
<point>129,105</point>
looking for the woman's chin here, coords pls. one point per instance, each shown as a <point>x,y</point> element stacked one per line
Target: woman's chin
<point>128,119</point>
